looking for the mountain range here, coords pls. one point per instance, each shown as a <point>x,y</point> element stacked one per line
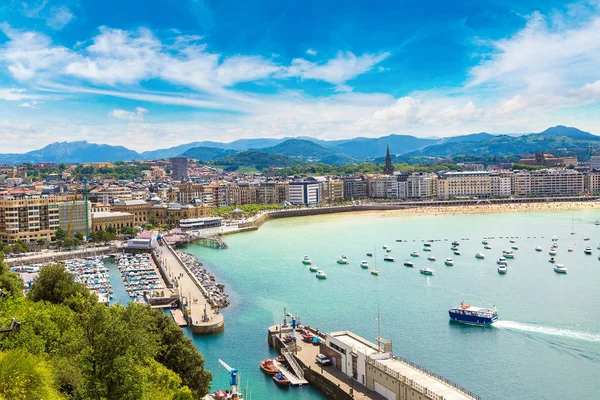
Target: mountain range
<point>559,139</point>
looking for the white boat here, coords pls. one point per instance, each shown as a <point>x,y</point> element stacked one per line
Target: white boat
<point>561,269</point>
<point>454,248</point>
<point>501,260</point>
<point>426,248</point>
<point>313,268</point>
<point>502,269</point>
<point>538,248</point>
<point>364,264</point>
<point>374,272</point>
<point>389,258</point>
<point>321,275</point>
<point>427,271</point>
<point>456,253</point>
<point>512,240</point>
<point>385,247</point>
<point>597,223</point>
<point>449,262</point>
<point>586,238</point>
<point>508,254</point>
<point>408,263</point>
<point>481,256</point>
<point>588,250</point>
<point>570,249</point>
<point>552,252</point>
<point>414,254</point>
<point>515,247</point>
<point>552,260</point>
<point>555,238</point>
<point>487,247</point>
<point>431,257</point>
<point>306,260</point>
<point>343,260</point>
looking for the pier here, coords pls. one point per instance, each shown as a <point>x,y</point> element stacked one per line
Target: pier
<point>202,316</point>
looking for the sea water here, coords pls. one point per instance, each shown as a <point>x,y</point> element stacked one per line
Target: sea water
<point>546,344</point>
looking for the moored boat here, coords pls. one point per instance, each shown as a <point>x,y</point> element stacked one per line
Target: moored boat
<point>431,257</point>
<point>389,258</point>
<point>502,269</point>
<point>369,254</point>
<point>538,248</point>
<point>306,260</point>
<point>449,262</point>
<point>408,263</point>
<point>374,272</point>
<point>456,253</point>
<point>427,271</point>
<point>552,260</point>
<point>570,249</point>
<point>426,248</point>
<point>364,264</point>
<point>343,260</point>
<point>280,379</point>
<point>515,247</point>
<point>414,254</point>
<point>484,242</point>
<point>321,275</point>
<point>268,366</point>
<point>559,268</point>
<point>588,251</point>
<point>454,248</point>
<point>467,314</point>
<point>313,268</point>
<point>586,238</point>
<point>481,256</point>
<point>455,243</point>
<point>508,254</point>
<point>552,252</point>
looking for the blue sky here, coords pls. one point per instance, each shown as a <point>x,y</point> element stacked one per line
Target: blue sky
<point>150,74</point>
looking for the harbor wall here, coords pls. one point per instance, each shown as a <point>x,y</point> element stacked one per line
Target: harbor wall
<point>327,387</point>
<point>51,256</point>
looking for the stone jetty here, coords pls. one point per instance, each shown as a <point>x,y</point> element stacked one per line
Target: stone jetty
<point>215,290</point>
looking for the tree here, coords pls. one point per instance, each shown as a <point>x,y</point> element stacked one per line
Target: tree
<point>55,285</point>
<point>41,242</point>
<point>78,236</point>
<point>10,282</point>
<point>26,376</point>
<point>60,235</point>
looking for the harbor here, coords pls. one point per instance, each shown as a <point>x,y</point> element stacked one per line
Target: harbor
<point>93,274</point>
<point>140,276</point>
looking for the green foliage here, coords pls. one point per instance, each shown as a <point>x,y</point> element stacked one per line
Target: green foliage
<point>10,282</point>
<point>121,171</point>
<point>60,235</point>
<point>27,377</point>
<point>55,285</point>
<point>256,159</point>
<point>527,167</point>
<point>128,231</point>
<point>247,209</point>
<point>36,173</point>
<point>325,169</point>
<point>102,236</point>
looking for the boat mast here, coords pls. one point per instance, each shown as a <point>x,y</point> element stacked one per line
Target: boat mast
<point>378,331</point>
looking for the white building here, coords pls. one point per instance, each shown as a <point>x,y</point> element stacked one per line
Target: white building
<point>304,192</point>
<point>421,185</point>
<point>502,184</point>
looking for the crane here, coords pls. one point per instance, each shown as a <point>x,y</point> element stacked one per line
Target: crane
<point>233,372</point>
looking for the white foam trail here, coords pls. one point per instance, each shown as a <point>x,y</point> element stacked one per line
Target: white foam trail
<point>547,330</point>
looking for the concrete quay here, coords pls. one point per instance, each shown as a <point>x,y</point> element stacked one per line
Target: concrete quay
<point>202,317</point>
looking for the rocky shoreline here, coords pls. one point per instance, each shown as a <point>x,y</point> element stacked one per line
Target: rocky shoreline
<point>215,290</point>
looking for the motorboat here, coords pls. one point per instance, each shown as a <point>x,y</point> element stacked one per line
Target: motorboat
<point>369,254</point>
<point>552,260</point>
<point>268,366</point>
<point>427,271</point>
<point>388,250</point>
<point>456,253</point>
<point>306,260</point>
<point>455,243</point>
<point>512,240</point>
<point>280,379</point>
<point>375,272</point>
<point>364,264</point>
<point>481,256</point>
<point>515,247</point>
<point>508,254</point>
<point>586,238</point>
<point>597,223</point>
<point>414,254</point>
<point>467,314</point>
<point>408,263</point>
<point>313,268</point>
<point>570,249</point>
<point>389,258</point>
<point>487,247</point>
<point>431,257</point>
<point>449,262</point>
<point>501,260</point>
<point>538,248</point>
<point>561,269</point>
<point>385,247</point>
<point>454,248</point>
<point>502,269</point>
<point>343,260</point>
<point>552,252</point>
<point>484,242</point>
<point>321,275</point>
<point>555,238</point>
<point>588,251</point>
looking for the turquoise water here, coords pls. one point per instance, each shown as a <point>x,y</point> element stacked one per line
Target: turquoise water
<point>545,346</point>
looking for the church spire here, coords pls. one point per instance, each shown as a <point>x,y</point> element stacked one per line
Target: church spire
<point>388,169</point>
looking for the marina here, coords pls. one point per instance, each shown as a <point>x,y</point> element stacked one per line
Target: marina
<point>93,274</point>
<point>139,275</point>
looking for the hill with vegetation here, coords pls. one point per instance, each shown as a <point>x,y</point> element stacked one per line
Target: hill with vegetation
<point>307,150</point>
<point>207,153</point>
<point>255,159</point>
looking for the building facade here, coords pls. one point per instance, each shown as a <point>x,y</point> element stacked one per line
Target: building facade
<point>101,221</point>
<point>355,188</point>
<point>29,219</point>
<point>304,192</point>
<point>179,168</point>
<point>464,184</point>
<point>549,182</point>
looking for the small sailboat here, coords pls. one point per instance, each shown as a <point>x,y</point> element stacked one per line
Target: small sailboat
<point>306,260</point>
<point>538,248</point>
<point>514,247</point>
<point>375,272</point>
<point>427,271</point>
<point>321,275</point>
<point>313,268</point>
<point>484,242</point>
<point>572,226</point>
<point>364,264</point>
<point>502,269</point>
<point>559,268</point>
<point>408,263</point>
<point>480,256</point>
<point>449,262</point>
<point>487,247</point>
<point>431,257</point>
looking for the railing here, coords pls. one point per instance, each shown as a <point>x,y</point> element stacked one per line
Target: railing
<point>425,371</point>
<point>293,363</point>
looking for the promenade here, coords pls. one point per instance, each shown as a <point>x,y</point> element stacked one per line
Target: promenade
<point>202,317</point>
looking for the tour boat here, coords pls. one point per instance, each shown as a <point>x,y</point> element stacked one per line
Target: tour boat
<point>456,253</point>
<point>321,275</point>
<point>561,269</point>
<point>427,271</point>
<point>374,272</point>
<point>538,248</point>
<point>449,262</point>
<point>414,254</point>
<point>343,260</point>
<point>280,379</point>
<point>502,269</point>
<point>487,247</point>
<point>481,256</point>
<point>408,263</point>
<point>364,264</point>
<point>389,258</point>
<point>484,242</point>
<point>431,257</point>
<point>552,252</point>
<point>313,268</point>
<point>268,366</point>
<point>306,260</point>
<point>552,260</point>
<point>515,247</point>
<point>588,250</point>
<point>467,314</point>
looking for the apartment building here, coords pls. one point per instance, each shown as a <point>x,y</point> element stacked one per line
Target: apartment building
<point>29,219</point>
<point>304,192</point>
<point>355,188</point>
<point>464,184</point>
<point>108,194</point>
<point>421,186</point>
<point>548,182</point>
<point>592,183</point>
<point>116,220</point>
<point>502,183</point>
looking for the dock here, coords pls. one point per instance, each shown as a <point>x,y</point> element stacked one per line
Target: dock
<point>294,380</point>
<point>178,317</point>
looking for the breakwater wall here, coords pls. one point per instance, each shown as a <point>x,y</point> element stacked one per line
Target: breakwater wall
<point>52,256</point>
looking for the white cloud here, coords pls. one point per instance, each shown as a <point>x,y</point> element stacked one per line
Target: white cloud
<point>34,105</point>
<point>59,17</point>
<point>311,52</point>
<point>132,116</point>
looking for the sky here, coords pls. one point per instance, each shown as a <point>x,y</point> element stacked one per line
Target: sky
<point>154,74</point>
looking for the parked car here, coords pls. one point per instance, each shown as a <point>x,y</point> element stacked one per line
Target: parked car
<point>323,360</point>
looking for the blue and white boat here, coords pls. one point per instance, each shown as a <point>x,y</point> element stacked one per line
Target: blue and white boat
<point>467,314</point>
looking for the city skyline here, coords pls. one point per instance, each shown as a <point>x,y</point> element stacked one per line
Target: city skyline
<point>158,75</point>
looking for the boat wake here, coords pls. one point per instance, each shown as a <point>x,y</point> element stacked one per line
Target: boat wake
<point>548,330</point>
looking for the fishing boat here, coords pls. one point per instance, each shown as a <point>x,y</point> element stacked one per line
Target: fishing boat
<point>306,260</point>
<point>467,314</point>
<point>449,262</point>
<point>343,260</point>
<point>487,247</point>
<point>364,264</point>
<point>389,258</point>
<point>268,366</point>
<point>313,268</point>
<point>588,251</point>
<point>481,256</point>
<point>375,272</point>
<point>427,271</point>
<point>456,253</point>
<point>552,260</point>
<point>321,275</point>
<point>502,269</point>
<point>408,263</point>
<point>414,254</point>
<point>538,248</point>
<point>431,257</point>
<point>280,379</point>
<point>559,268</point>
